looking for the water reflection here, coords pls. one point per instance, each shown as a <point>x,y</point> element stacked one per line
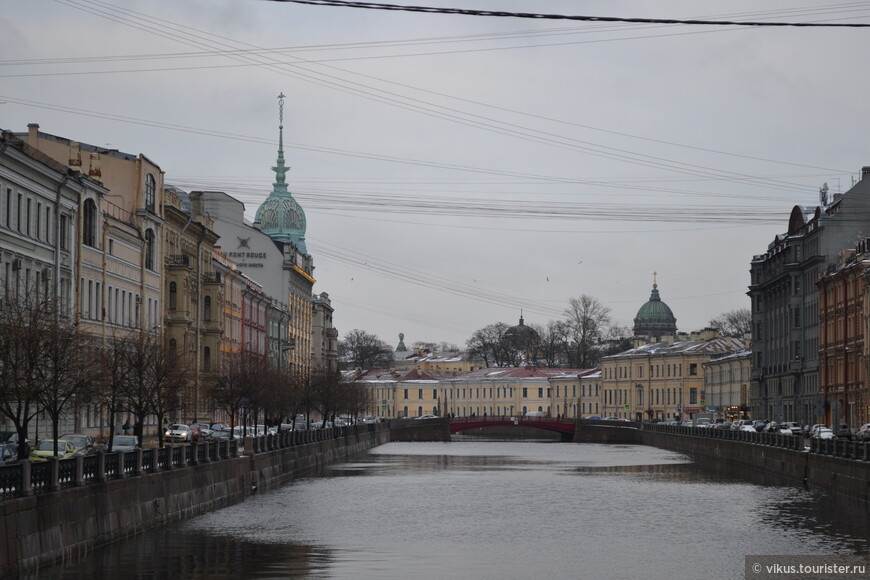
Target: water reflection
<point>496,510</point>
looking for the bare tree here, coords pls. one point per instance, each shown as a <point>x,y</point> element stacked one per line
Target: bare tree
<point>328,386</point>
<point>553,342</point>
<point>735,323</point>
<point>359,349</point>
<point>587,320</point>
<point>28,328</point>
<point>491,345</point>
<point>64,372</point>
<point>237,383</point>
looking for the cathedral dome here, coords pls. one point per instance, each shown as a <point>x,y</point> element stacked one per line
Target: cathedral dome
<point>655,318</point>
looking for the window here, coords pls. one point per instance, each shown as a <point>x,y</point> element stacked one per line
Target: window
<point>540,392</point>
<point>8,207</point>
<point>406,408</point>
<point>64,224</point>
<point>27,219</point>
<point>693,396</point>
<point>525,392</point>
<point>150,189</point>
<point>206,314</point>
<point>206,359</point>
<point>173,296</point>
<point>38,219</point>
<point>693,368</point>
<point>89,235</point>
<point>18,212</point>
<point>149,249</point>
<point>420,394</point>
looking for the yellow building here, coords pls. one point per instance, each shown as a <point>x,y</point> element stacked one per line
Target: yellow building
<point>662,380</point>
<point>195,295</point>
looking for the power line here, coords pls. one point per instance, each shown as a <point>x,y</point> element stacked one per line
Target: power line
<point>537,16</point>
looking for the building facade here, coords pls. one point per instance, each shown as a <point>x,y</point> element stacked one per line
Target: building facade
<point>662,380</point>
<point>726,382</point>
<point>843,300</point>
<point>784,291</point>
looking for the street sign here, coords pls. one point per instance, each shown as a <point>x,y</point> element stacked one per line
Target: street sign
<point>679,407</point>
<point>626,406</point>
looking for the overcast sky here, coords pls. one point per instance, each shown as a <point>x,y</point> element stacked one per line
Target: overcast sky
<point>456,170</point>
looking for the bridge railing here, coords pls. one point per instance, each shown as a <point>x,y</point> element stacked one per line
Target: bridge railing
<point>25,478</point>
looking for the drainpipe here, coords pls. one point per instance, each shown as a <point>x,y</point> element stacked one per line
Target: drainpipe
<point>56,264</point>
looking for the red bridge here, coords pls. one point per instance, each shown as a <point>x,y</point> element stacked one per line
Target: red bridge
<point>579,430</point>
<point>567,426</point>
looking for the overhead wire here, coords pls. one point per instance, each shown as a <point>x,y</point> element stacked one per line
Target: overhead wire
<point>502,127</point>
<point>542,16</point>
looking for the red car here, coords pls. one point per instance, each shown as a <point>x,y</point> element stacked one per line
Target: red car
<point>195,431</point>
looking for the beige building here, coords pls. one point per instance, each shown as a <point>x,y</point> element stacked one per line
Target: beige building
<point>192,322</point>
<point>662,380</point>
<point>726,382</point>
<point>124,228</point>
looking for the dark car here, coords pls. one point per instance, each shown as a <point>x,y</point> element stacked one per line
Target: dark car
<point>8,453</point>
<point>84,444</point>
<point>125,443</point>
<point>843,431</point>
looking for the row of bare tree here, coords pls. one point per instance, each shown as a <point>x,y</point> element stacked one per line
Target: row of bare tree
<point>49,366</point>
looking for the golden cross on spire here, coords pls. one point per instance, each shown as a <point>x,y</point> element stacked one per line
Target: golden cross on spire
<point>281,108</point>
<point>655,285</point>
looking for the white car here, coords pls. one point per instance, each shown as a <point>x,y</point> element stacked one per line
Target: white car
<point>823,433</point>
<point>178,432</point>
<point>426,417</point>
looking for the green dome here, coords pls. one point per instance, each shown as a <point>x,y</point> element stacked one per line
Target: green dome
<point>281,217</point>
<point>655,317</point>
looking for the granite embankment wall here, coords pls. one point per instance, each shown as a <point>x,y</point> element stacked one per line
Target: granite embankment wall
<point>841,469</point>
<point>45,528</point>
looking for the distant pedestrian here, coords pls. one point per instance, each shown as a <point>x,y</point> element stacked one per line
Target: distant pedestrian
<point>126,427</point>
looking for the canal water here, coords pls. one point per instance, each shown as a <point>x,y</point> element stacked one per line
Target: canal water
<point>493,509</point>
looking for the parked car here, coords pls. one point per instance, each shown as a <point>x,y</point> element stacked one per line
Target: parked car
<point>724,425</point>
<point>748,428</point>
<point>759,425</point>
<point>863,432</point>
<point>125,443</point>
<point>427,417</point>
<point>178,432</point>
<point>195,431</point>
<point>221,435</point>
<point>843,431</point>
<point>8,453</point>
<point>793,427</point>
<point>687,423</point>
<point>206,430</point>
<point>84,444</point>
<point>45,450</point>
<point>822,432</point>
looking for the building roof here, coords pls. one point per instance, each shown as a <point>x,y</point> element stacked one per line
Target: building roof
<point>712,346</point>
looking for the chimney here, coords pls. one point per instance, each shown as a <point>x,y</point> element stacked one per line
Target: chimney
<point>865,172</point>
<point>95,172</point>
<point>75,156</point>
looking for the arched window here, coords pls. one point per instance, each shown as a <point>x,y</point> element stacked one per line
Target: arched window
<point>150,190</point>
<point>419,411</point>
<point>173,349</point>
<point>89,226</point>
<point>406,412</point>
<point>173,296</point>
<point>149,249</point>
<point>206,359</point>
<point>206,310</point>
